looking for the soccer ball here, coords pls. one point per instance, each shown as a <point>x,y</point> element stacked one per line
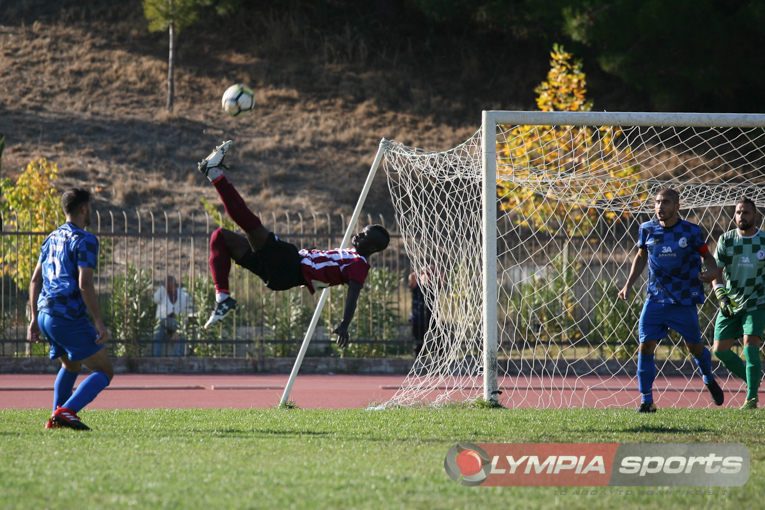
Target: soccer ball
<point>237,99</point>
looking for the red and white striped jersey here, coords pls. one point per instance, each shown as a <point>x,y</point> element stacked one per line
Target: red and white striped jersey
<point>325,268</point>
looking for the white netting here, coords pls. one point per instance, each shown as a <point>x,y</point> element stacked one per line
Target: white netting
<point>569,202</point>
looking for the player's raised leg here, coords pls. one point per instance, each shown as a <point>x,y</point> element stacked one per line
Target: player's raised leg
<point>212,168</point>
<point>224,246</point>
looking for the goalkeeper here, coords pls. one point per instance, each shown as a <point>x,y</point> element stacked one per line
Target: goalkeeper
<point>741,255</point>
<point>673,249</point>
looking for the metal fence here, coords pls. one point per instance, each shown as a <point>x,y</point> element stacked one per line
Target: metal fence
<point>140,249</point>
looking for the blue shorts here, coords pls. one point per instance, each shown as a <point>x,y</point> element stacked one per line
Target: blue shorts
<point>75,338</point>
<point>657,318</point>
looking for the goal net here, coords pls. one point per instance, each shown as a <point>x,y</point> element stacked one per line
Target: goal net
<point>521,248</point>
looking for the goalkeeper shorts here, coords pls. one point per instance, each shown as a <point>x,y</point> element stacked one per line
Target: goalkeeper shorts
<point>743,323</point>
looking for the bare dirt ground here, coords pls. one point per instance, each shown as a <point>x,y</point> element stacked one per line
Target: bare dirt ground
<point>85,87</point>
<point>95,107</point>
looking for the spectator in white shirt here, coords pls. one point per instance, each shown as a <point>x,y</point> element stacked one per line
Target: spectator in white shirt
<point>173,302</point>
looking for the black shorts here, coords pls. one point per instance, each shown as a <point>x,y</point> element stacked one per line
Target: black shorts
<point>277,264</point>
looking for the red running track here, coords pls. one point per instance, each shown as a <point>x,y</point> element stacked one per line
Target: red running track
<point>146,391</point>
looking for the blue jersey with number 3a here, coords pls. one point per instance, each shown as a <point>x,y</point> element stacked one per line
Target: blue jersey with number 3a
<point>65,250</point>
<point>674,261</point>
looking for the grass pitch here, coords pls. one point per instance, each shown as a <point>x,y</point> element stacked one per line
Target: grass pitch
<point>296,458</point>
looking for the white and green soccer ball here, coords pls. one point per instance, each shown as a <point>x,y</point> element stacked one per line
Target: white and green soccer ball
<point>237,99</point>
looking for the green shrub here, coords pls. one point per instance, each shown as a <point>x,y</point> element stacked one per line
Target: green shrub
<point>376,318</point>
<point>614,321</point>
<point>546,307</point>
<point>286,319</point>
<point>31,204</point>
<point>130,310</point>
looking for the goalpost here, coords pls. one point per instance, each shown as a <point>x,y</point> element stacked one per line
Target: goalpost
<point>522,236</point>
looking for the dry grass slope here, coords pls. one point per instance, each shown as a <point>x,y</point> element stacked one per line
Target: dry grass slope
<point>85,87</point>
<point>98,112</point>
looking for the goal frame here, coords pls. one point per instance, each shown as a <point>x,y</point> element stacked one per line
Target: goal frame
<point>489,122</point>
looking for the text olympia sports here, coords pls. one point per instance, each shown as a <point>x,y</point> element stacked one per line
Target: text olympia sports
<point>598,464</point>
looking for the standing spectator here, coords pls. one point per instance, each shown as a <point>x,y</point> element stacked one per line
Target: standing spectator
<point>673,248</point>
<point>741,255</point>
<point>421,315</point>
<point>173,302</point>
<point>61,293</point>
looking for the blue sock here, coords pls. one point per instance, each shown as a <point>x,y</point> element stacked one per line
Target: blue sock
<point>62,388</point>
<point>87,391</point>
<point>704,362</point>
<point>646,372</point>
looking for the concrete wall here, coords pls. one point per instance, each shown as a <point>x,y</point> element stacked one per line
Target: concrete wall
<point>323,365</point>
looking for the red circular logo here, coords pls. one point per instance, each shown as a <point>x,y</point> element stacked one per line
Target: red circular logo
<point>469,462</point>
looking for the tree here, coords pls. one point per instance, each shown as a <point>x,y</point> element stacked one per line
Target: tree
<point>553,176</point>
<point>173,16</point>
<point>692,55</point>
<point>31,204</point>
<point>2,146</point>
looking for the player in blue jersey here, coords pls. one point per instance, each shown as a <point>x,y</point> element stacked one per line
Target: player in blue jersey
<point>61,294</point>
<point>673,249</point>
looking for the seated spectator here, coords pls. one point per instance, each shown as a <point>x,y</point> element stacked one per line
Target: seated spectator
<point>173,302</point>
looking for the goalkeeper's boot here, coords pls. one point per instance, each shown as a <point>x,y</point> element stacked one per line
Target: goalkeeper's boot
<point>65,417</point>
<point>212,166</point>
<point>647,407</point>
<point>717,393</point>
<point>221,310</point>
<point>750,403</point>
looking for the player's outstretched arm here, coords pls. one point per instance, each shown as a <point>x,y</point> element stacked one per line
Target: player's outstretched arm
<point>354,290</point>
<point>638,264</point>
<point>35,287</point>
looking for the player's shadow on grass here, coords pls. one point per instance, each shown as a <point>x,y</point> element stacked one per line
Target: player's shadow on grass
<point>254,432</point>
<point>662,429</point>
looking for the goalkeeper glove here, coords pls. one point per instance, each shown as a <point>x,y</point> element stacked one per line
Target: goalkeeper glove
<point>723,301</point>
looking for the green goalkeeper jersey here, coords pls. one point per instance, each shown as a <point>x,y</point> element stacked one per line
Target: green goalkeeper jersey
<point>743,261</point>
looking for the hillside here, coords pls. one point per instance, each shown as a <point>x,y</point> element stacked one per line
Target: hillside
<point>84,85</point>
